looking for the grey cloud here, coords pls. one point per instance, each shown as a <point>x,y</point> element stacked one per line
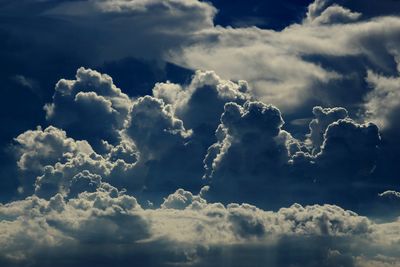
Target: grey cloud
<point>304,64</point>
<point>86,29</point>
<point>153,126</point>
<point>49,161</point>
<point>177,124</point>
<point>336,14</point>
<point>162,145</point>
<point>352,146</point>
<point>182,199</point>
<point>367,8</point>
<point>390,194</point>
<point>205,87</point>
<point>382,103</point>
<point>38,148</point>
<point>90,107</point>
<point>83,229</point>
<point>323,118</point>
<point>252,151</point>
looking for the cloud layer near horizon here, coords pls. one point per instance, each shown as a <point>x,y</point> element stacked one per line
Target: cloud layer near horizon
<point>109,227</point>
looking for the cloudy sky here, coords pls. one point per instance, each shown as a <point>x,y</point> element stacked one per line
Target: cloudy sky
<point>200,133</point>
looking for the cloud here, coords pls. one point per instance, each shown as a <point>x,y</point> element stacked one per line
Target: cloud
<point>333,14</point>
<point>209,127</point>
<point>153,126</point>
<point>323,118</point>
<point>50,162</point>
<point>188,102</point>
<point>251,152</point>
<point>90,107</point>
<point>390,194</point>
<point>88,27</point>
<point>389,205</point>
<point>367,8</point>
<point>352,146</point>
<point>86,229</point>
<point>305,64</point>
<point>382,103</point>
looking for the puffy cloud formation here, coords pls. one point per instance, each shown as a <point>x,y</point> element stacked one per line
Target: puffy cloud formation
<point>205,87</point>
<point>245,135</point>
<point>39,148</point>
<point>153,127</point>
<point>323,118</point>
<point>95,227</point>
<point>254,153</point>
<point>178,123</point>
<point>90,107</point>
<point>50,161</point>
<point>209,127</point>
<point>351,146</point>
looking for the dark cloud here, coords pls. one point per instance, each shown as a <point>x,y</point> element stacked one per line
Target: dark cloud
<point>252,151</point>
<point>323,118</point>
<point>90,107</point>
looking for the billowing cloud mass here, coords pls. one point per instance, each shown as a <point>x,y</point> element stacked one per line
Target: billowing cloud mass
<point>186,229</point>
<point>90,107</point>
<point>280,148</point>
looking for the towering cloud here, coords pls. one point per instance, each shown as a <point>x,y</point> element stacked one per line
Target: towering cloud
<point>90,107</point>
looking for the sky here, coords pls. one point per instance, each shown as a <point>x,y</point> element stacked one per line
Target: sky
<point>199,133</point>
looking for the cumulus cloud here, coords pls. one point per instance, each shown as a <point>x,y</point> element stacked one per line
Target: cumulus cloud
<point>350,145</point>
<point>92,225</point>
<point>254,153</point>
<point>251,152</point>
<point>153,126</point>
<point>210,127</point>
<point>323,118</point>
<point>90,107</point>
<point>49,161</point>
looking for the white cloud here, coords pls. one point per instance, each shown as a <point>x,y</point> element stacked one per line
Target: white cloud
<point>299,64</point>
